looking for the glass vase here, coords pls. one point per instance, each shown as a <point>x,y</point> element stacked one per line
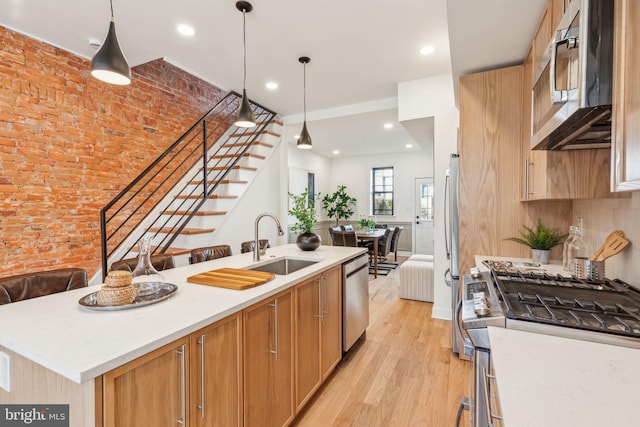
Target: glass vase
<point>145,273</point>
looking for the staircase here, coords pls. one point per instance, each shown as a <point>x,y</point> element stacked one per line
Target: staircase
<point>191,189</point>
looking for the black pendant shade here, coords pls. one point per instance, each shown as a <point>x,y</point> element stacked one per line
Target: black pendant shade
<point>244,117</point>
<point>304,141</point>
<point>109,63</point>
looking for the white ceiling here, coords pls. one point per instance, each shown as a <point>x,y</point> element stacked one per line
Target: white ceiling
<point>360,50</point>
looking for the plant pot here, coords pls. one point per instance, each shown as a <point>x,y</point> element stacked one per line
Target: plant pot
<point>540,255</point>
<point>308,241</point>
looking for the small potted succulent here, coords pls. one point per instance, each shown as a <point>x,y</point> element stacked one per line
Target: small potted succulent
<point>540,240</point>
<point>305,213</point>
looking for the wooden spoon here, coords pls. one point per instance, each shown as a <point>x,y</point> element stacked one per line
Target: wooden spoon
<point>614,246</point>
<point>607,241</point>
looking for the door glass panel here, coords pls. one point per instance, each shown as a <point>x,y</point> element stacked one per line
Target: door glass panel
<point>426,202</point>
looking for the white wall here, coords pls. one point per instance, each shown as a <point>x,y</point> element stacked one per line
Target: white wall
<point>305,160</point>
<point>355,173</point>
<point>433,97</point>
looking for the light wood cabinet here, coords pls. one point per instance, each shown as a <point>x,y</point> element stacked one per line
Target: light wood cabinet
<point>268,362</point>
<point>196,380</point>
<point>152,388</point>
<point>318,331</point>
<point>216,374</point>
<point>625,153</point>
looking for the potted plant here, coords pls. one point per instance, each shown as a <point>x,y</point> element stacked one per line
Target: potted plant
<point>366,223</point>
<point>305,213</point>
<point>338,205</point>
<point>540,240</point>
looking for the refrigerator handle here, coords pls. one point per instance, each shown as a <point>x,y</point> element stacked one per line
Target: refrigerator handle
<point>447,277</point>
<point>446,217</point>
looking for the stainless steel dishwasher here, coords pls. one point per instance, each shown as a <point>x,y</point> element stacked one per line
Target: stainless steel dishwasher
<point>355,300</point>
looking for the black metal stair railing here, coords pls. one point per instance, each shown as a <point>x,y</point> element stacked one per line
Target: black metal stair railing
<point>215,143</point>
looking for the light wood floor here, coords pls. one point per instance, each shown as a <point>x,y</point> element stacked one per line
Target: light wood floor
<point>403,374</point>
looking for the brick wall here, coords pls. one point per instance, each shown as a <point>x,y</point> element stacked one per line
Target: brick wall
<point>69,143</point>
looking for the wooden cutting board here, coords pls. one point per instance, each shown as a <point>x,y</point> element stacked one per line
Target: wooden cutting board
<point>231,278</point>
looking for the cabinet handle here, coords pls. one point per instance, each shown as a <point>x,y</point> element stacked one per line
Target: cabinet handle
<point>320,314</point>
<point>527,169</point>
<point>275,315</point>
<point>485,383</point>
<point>326,295</point>
<point>183,392</point>
<point>202,377</point>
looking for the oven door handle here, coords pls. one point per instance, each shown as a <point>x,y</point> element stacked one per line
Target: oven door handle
<point>467,345</point>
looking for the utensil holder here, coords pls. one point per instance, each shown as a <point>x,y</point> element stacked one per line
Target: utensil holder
<point>584,268</point>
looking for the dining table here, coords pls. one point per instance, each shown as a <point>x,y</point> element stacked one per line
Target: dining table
<point>374,236</point>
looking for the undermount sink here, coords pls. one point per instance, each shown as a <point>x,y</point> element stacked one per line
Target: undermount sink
<point>284,266</point>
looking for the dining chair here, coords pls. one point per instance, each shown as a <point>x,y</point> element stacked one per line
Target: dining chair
<point>41,283</point>
<point>249,245</point>
<point>159,261</point>
<point>395,237</point>
<point>347,227</point>
<point>208,253</point>
<point>384,249</point>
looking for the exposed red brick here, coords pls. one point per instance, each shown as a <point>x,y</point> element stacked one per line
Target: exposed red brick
<point>70,143</point>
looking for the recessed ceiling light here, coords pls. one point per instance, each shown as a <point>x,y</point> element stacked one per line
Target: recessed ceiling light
<point>186,30</point>
<point>271,85</point>
<point>336,152</point>
<point>388,125</point>
<point>409,146</point>
<point>426,50</point>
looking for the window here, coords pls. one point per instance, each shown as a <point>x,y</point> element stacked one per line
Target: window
<point>382,191</point>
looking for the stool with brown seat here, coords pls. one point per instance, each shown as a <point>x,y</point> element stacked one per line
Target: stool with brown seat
<point>250,245</point>
<point>209,253</point>
<point>32,285</point>
<point>160,262</point>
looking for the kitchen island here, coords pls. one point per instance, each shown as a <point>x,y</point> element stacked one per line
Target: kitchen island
<point>550,381</point>
<point>59,350</point>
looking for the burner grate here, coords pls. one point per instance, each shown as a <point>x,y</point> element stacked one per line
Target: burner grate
<point>610,306</point>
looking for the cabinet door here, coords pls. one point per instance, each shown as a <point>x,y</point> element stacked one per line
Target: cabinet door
<point>216,380</point>
<point>625,160</point>
<point>309,310</point>
<point>150,390</point>
<point>331,323</point>
<point>268,362</point>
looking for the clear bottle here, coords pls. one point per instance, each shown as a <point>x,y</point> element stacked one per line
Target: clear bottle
<point>577,249</point>
<point>145,273</point>
<point>566,265</point>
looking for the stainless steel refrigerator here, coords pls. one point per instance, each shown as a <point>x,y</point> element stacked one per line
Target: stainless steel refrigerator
<point>452,245</point>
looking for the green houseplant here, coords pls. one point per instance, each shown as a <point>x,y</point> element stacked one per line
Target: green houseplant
<point>366,223</point>
<point>540,240</point>
<point>338,205</point>
<point>305,214</point>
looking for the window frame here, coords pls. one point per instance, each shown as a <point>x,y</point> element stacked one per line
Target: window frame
<point>374,210</point>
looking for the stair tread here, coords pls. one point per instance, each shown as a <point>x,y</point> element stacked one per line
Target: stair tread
<point>264,132</point>
<point>224,181</point>
<point>200,196</point>
<point>242,144</point>
<point>199,213</point>
<point>236,167</point>
<point>186,231</point>
<point>226,156</point>
<point>174,251</point>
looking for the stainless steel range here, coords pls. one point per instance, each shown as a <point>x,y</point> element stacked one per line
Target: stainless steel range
<point>605,311</point>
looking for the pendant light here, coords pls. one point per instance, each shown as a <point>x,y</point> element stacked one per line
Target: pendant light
<point>244,116</point>
<point>109,63</point>
<point>304,141</point>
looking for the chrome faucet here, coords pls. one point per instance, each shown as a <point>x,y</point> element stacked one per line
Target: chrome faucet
<point>256,245</point>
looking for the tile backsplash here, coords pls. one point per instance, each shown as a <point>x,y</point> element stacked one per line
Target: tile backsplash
<point>601,217</point>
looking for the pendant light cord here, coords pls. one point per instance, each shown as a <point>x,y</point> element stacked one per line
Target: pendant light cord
<point>244,48</point>
<point>111,3</point>
<point>304,92</point>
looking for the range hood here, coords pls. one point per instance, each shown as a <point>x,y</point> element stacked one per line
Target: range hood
<point>571,97</point>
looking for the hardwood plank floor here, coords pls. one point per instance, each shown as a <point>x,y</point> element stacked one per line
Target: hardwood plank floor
<point>402,374</point>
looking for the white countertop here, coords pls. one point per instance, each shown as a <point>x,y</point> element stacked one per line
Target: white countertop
<point>547,381</point>
<point>58,333</point>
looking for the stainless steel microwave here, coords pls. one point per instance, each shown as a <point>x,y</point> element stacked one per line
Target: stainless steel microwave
<point>571,95</point>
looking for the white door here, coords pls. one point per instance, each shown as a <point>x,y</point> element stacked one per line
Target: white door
<point>424,216</point>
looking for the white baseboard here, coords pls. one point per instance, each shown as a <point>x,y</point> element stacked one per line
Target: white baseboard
<point>441,313</point>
